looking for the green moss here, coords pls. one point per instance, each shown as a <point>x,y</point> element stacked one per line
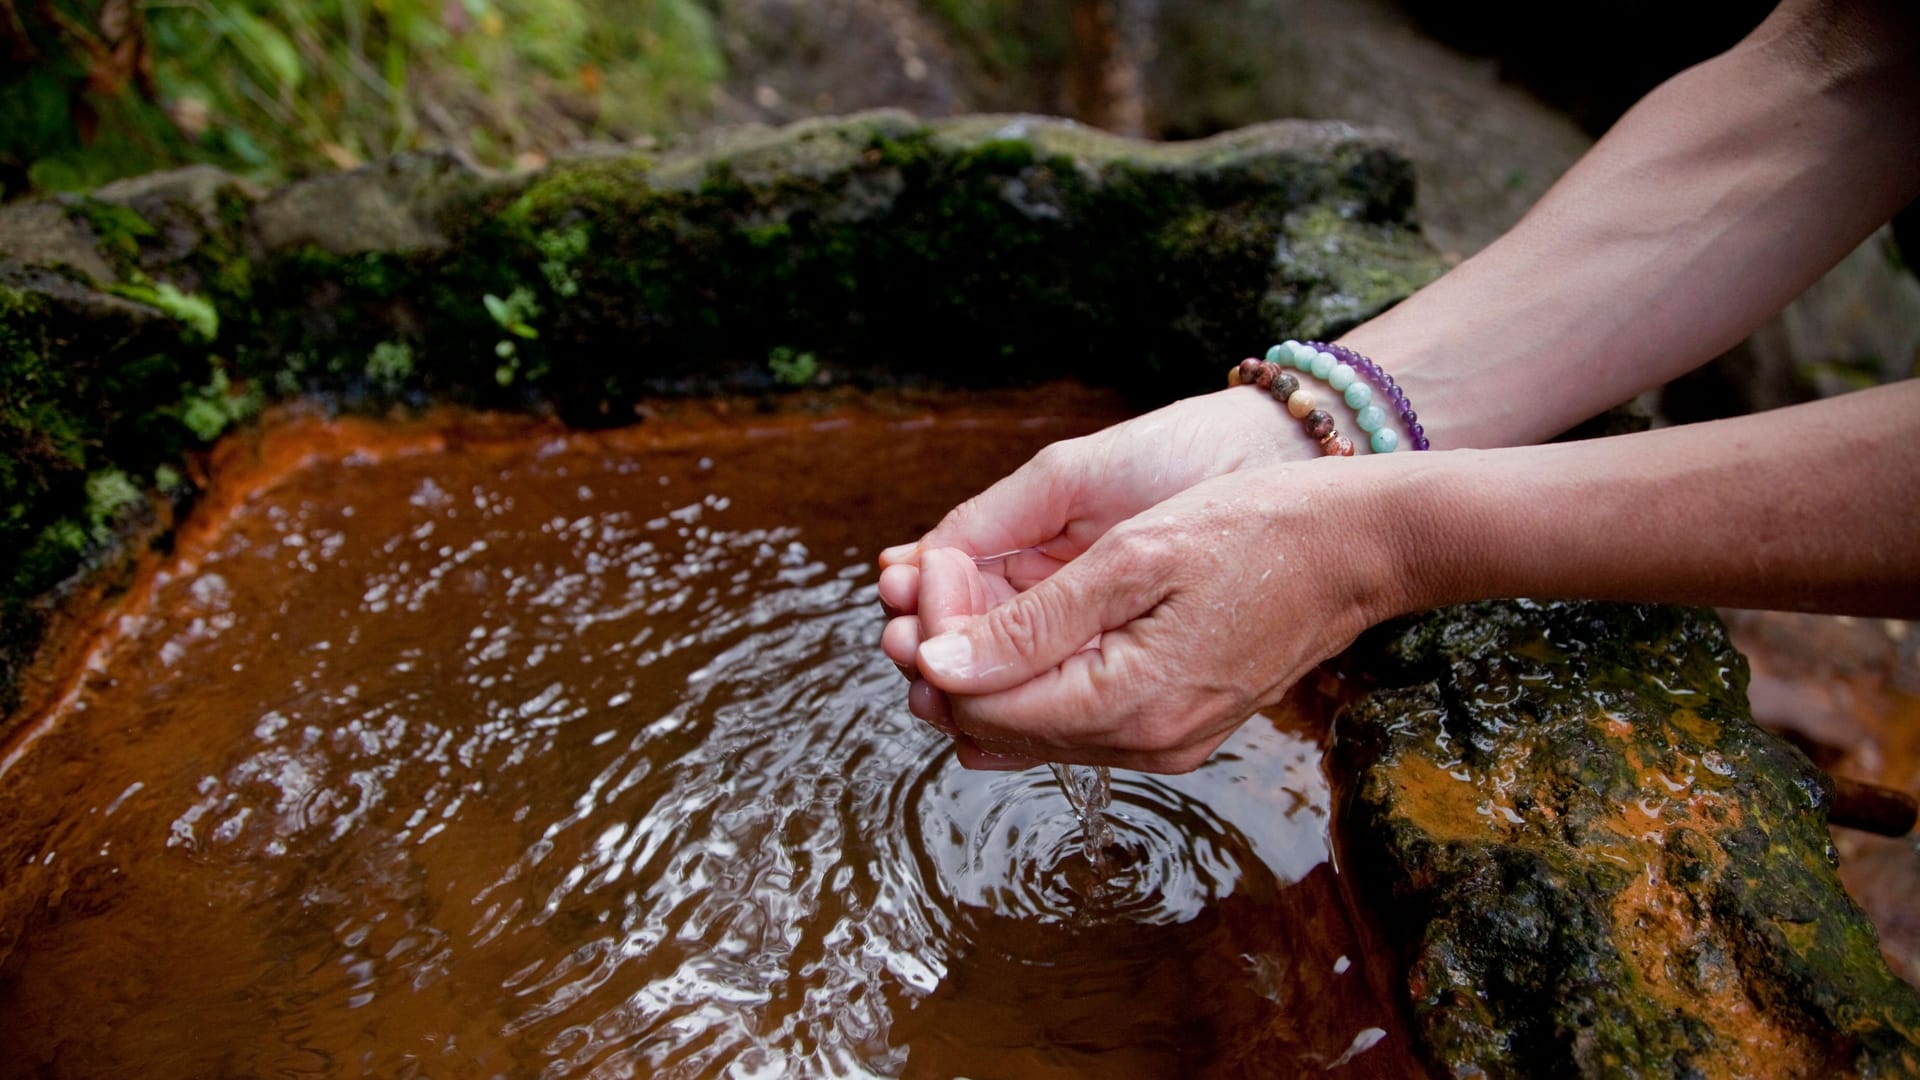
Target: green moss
<point>1600,863</point>
<point>1000,251</point>
<point>120,230</point>
<point>109,493</point>
<point>792,368</point>
<point>199,320</point>
<point>208,411</point>
<point>390,365</point>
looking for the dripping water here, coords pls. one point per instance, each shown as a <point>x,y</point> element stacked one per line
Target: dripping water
<point>1090,789</point>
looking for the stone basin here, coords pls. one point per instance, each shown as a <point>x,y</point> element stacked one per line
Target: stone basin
<point>1565,848</point>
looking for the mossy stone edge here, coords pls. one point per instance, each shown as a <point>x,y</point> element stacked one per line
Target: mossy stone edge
<point>139,322</point>
<point>1597,864</point>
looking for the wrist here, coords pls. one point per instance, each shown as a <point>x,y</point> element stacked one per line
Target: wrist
<point>1431,524</point>
<point>1399,534</point>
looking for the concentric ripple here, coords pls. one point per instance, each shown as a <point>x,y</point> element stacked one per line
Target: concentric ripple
<point>1012,843</point>
<point>578,757</point>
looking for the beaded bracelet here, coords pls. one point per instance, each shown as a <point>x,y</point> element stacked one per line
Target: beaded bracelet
<point>1300,402</point>
<point>1350,373</point>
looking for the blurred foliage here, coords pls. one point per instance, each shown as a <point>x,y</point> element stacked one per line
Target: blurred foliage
<point>1009,38</point>
<point>90,91</point>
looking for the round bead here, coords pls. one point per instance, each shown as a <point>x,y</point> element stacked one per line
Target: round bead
<point>1323,364</point>
<point>1319,423</point>
<point>1277,355</point>
<point>1371,419</point>
<point>1284,385</point>
<point>1341,376</point>
<point>1337,446</point>
<point>1385,441</point>
<point>1300,403</point>
<point>1359,395</point>
<point>1246,372</point>
<point>1263,378</point>
<point>1302,355</point>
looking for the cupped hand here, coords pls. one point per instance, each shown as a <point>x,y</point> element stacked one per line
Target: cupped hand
<point>1076,489</point>
<point>1057,505</point>
<point>1175,624</point>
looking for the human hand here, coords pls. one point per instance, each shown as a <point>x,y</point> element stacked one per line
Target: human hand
<point>1147,650</point>
<point>1055,506</point>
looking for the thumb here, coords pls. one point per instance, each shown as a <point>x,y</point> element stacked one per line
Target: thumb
<point>1024,509</point>
<point>1034,631</point>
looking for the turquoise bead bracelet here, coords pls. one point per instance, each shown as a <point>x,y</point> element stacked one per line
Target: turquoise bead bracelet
<point>1357,378</point>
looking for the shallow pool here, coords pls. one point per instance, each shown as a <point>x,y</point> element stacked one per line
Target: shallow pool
<point>493,749</point>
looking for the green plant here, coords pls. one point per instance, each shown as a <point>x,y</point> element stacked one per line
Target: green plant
<point>198,318</point>
<point>109,492</point>
<point>390,364</point>
<point>209,410</point>
<point>512,315</point>
<point>95,90</point>
<point>560,250</point>
<point>793,368</point>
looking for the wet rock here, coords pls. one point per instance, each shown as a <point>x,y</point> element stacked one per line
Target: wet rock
<point>398,206</point>
<point>870,249</point>
<point>48,235</point>
<point>1597,864</point>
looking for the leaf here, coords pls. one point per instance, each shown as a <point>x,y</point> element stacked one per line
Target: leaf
<point>270,49</point>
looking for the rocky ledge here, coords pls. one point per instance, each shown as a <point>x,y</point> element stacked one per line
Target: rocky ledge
<point>141,321</point>
<point>1596,863</point>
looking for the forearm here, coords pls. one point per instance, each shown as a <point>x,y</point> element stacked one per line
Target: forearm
<point>1714,202</point>
<point>1816,507</point>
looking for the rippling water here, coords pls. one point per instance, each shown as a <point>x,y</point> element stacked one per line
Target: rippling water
<point>576,756</point>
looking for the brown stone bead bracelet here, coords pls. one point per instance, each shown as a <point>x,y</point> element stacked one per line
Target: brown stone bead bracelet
<point>1299,401</point>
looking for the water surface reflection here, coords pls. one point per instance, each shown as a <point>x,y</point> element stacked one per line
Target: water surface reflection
<point>576,756</point>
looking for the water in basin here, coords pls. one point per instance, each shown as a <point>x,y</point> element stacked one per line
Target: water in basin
<point>516,752</point>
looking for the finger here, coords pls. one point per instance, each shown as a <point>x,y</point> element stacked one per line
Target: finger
<point>1107,707</point>
<point>979,760</point>
<point>900,640</point>
<point>900,589</point>
<point>953,589</point>
<point>900,555</point>
<point>1032,632</point>
<point>1028,507</point>
<point>933,706</point>
<point>1029,566</point>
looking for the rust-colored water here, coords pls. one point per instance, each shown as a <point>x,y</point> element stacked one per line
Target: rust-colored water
<point>463,751</point>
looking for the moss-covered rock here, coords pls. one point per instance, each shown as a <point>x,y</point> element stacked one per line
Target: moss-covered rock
<point>1597,864</point>
<point>143,320</point>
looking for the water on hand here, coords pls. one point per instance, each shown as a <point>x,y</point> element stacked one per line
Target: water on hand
<point>576,755</point>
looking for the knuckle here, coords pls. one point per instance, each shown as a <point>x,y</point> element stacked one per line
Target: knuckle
<point>1021,625</point>
<point>958,517</point>
<point>1050,456</point>
<point>1141,552</point>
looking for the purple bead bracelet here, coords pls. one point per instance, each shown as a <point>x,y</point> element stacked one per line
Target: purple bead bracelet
<point>1370,371</point>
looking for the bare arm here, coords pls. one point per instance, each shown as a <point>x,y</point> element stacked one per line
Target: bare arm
<point>1815,508</point>
<point>1716,200</point>
<point>1148,649</point>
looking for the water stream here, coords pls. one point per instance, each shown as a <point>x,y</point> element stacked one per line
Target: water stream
<point>549,754</point>
<point>1089,789</point>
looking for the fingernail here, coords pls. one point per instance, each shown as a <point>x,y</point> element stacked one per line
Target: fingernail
<point>897,552</point>
<point>947,654</point>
